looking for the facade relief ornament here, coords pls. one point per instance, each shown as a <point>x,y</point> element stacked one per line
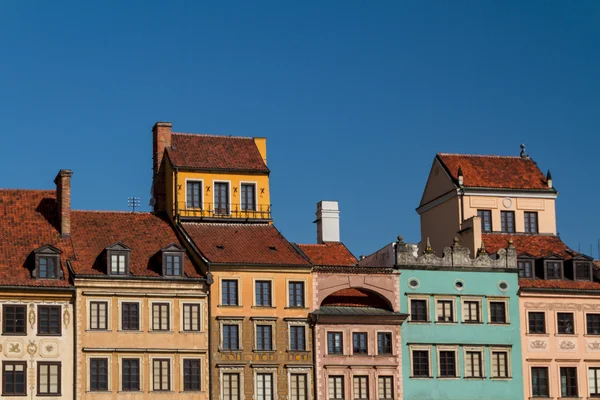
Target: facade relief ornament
<point>567,345</point>
<point>31,317</point>
<point>538,345</point>
<point>13,348</point>
<point>593,345</point>
<point>66,316</point>
<point>49,348</point>
<point>31,348</point>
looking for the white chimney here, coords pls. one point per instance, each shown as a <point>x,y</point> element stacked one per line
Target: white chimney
<point>328,222</point>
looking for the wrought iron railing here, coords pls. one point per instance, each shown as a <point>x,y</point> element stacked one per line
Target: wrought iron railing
<point>224,210</point>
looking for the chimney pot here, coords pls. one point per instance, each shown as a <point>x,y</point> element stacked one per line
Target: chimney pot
<point>328,222</point>
<point>63,199</point>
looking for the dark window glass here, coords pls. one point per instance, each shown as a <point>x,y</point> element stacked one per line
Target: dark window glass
<point>384,343</point>
<point>161,320</point>
<point>173,265</point>
<point>497,312</point>
<point>420,359</point>
<point>13,320</point>
<point>264,337</point>
<point>231,337</point>
<point>194,195</point>
<point>191,317</point>
<point>554,270</point>
<point>539,382</point>
<point>231,386</point>
<point>537,322</point>
<point>486,220</point>
<point>161,375</point>
<point>471,311</point>
<point>594,380</point>
<point>334,343</point>
<point>229,292</point>
<point>263,293</point>
<point>296,290</point>
<point>221,198</point>
<point>49,321</point>
<point>130,316</point>
<point>447,364</point>
<point>531,222</point>
<point>191,375</point>
<point>14,378</point>
<point>130,379</point>
<point>359,343</point>
<point>98,374</point>
<point>582,271</point>
<point>297,338</point>
<point>418,310</point>
<point>507,221</point>
<point>568,382</point>
<point>499,364</point>
<point>565,323</point>
<point>248,196</point>
<point>593,324</point>
<point>445,311</point>
<point>48,378</point>
<point>47,268</point>
<point>98,315</point>
<point>525,268</point>
<point>473,367</point>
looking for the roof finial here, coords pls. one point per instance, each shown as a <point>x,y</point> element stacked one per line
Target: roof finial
<point>400,239</point>
<point>549,179</point>
<point>482,249</point>
<point>428,248</point>
<point>523,153</point>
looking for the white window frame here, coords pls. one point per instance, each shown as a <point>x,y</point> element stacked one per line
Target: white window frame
<point>267,322</point>
<point>254,280</point>
<point>479,350</point>
<point>232,370</point>
<point>151,315</point>
<point>88,324</point>
<point>140,315</point>
<point>141,366</point>
<point>203,371</point>
<point>587,368</point>
<point>305,371</point>
<point>427,305</point>
<point>255,184</point>
<point>201,193</point>
<point>200,316</point>
<point>289,341</point>
<point>287,292</point>
<point>237,322</point>
<point>508,351</point>
<point>454,311</point>
<point>151,373</point>
<point>504,300</point>
<point>384,375</point>
<point>267,370</point>
<point>478,300</point>
<point>88,358</point>
<point>239,290</point>
<point>428,349</point>
<point>456,362</point>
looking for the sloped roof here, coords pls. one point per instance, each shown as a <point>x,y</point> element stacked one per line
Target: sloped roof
<point>495,172</point>
<point>355,297</point>
<point>214,153</point>
<point>252,244</point>
<point>536,245</point>
<point>328,254</point>
<point>558,284</point>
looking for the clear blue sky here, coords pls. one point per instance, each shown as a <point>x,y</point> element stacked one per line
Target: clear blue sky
<point>355,98</point>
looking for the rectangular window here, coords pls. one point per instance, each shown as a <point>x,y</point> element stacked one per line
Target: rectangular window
<point>194,194</point>
<point>296,290</point>
<point>447,364</point>
<point>298,387</point>
<point>445,312</point>
<point>336,387</point>
<point>161,375</point>
<point>497,312</point>
<point>385,387</point>
<point>118,264</point>
<point>98,374</point>
<point>161,320</point>
<point>507,221</point>
<point>531,222</point>
<point>359,343</point>
<point>418,310</point>
<point>594,381</point>
<point>539,382</point>
<point>537,322</point>
<point>568,382</point>
<point>13,320</point>
<point>191,317</point>
<point>486,220</point>
<point>499,364</point>
<point>191,375</point>
<point>47,268</point>
<point>525,268</point>
<point>231,337</point>
<point>565,323</point>
<point>98,315</point>
<point>361,387</point>
<point>130,316</point>
<point>14,381</point>
<point>48,378</point>
<point>297,338</point>
<point>231,386</point>
<point>130,374</point>
<point>334,343</point>
<point>471,311</point>
<point>173,265</point>
<point>593,324</point>
<point>553,270</point>
<point>49,320</point>
<point>582,271</point>
<point>264,386</point>
<point>473,364</point>
<point>229,292</point>
<point>264,337</point>
<point>384,343</point>
<point>221,198</point>
<point>263,293</point>
<point>420,360</point>
<point>248,196</point>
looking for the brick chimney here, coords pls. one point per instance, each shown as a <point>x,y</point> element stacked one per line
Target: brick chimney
<point>161,139</point>
<point>63,199</point>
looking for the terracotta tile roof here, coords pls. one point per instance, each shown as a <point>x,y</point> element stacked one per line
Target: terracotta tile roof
<point>209,152</point>
<point>558,284</point>
<point>495,172</point>
<point>253,244</point>
<point>353,297</point>
<point>28,220</point>
<point>144,233</point>
<point>536,245</point>
<point>330,254</point>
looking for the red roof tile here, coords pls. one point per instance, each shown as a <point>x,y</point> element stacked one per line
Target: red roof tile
<point>536,245</point>
<point>253,244</point>
<point>144,233</point>
<point>353,297</point>
<point>557,284</point>
<point>28,220</point>
<point>495,172</point>
<point>330,254</point>
<point>208,152</point>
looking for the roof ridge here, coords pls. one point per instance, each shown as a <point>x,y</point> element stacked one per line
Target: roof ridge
<point>114,212</point>
<point>224,136</point>
<point>483,156</point>
<point>26,190</point>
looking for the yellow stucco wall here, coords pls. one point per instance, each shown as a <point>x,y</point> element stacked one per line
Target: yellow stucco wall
<point>438,183</point>
<point>440,224</point>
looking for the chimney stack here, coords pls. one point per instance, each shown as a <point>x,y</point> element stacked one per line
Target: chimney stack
<point>63,199</point>
<point>328,222</point>
<point>161,140</point>
<point>549,179</point>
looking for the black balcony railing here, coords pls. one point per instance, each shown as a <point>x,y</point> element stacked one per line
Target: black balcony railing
<point>224,211</point>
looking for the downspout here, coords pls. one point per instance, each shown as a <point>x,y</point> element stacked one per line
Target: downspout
<point>74,328</point>
<point>313,322</point>
<point>209,331</point>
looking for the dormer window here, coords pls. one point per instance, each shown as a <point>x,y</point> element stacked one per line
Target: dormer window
<point>172,260</point>
<point>117,259</point>
<point>47,263</point>
<point>554,269</point>
<point>583,271</point>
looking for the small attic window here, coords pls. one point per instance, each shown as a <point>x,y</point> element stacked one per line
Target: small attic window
<point>220,247</point>
<point>47,263</point>
<point>273,248</point>
<point>172,260</point>
<point>117,259</point>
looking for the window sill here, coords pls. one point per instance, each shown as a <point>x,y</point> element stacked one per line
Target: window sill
<point>263,351</point>
<point>473,322</point>
<point>565,334</point>
<point>385,354</point>
<point>99,391</point>
<point>538,334</point>
<point>188,332</point>
<point>361,354</point>
<point>49,335</point>
<point>297,351</point>
<point>587,335</point>
<point>499,323</point>
<point>449,377</point>
<point>497,378</point>
<point>419,322</point>
<point>161,331</point>
<point>447,322</point>
<point>230,351</point>
<point>129,331</point>
<point>15,334</point>
<point>264,307</point>
<point>229,305</point>
<point>98,330</point>
<point>296,308</point>
<point>48,394</point>
<point>421,377</point>
<point>475,378</point>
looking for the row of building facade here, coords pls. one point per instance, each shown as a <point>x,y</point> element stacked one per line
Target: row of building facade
<point>205,298</point>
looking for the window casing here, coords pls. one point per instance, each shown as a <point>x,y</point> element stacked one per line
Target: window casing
<point>473,364</point>
<point>49,378</point>
<point>531,221</point>
<point>486,220</point>
<point>47,267</point>
<point>568,382</point>
<point>191,317</point>
<point>583,271</point>
<point>447,363</point>
<point>229,292</point>
<point>98,315</point>
<point>592,323</point>
<point>264,337</point>
<point>49,320</point>
<point>264,386</point>
<point>231,386</point>
<point>384,343</point>
<point>191,375</point>
<point>594,381</point>
<point>420,363</point>
<point>161,374</point>
<point>13,319</point>
<point>539,382</point>
<point>500,364</point>
<point>172,263</point>
<point>385,387</point>
<point>248,197</point>
<point>130,374</point>
<point>221,196</point>
<point>498,312</point>
<point>554,269</point>
<point>471,311</point>
<point>418,310</point>
<point>262,291</point>
<point>194,194</point>
<point>118,262</point>
<point>296,294</point>
<point>525,268</point>
<point>445,310</point>
<point>98,374</point>
<point>335,344</point>
<point>231,338</point>
<point>336,387</point>
<point>297,338</point>
<point>565,323</point>
<point>298,387</point>
<point>360,387</point>
<point>161,316</point>
<point>14,378</point>
<point>537,322</point>
<point>359,343</point>
<point>130,316</point>
<point>507,221</point>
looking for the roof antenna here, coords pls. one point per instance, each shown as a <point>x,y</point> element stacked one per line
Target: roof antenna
<point>133,202</point>
<point>523,154</point>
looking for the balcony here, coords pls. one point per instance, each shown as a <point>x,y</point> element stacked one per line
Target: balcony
<point>223,211</point>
